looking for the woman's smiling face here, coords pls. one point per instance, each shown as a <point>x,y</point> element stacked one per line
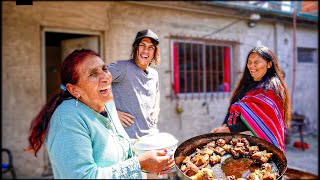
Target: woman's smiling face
<point>257,66</point>
<point>94,84</point>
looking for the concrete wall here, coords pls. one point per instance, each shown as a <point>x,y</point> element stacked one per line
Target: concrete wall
<point>22,91</point>
<point>306,91</point>
<point>119,22</point>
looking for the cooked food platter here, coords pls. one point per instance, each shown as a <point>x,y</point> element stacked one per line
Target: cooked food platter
<point>229,156</point>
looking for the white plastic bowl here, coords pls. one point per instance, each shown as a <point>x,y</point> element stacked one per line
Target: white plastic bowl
<point>156,141</point>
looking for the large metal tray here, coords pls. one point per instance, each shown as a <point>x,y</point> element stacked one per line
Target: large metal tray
<point>190,145</point>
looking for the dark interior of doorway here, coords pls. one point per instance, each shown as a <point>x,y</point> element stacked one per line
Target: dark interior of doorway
<point>53,59</point>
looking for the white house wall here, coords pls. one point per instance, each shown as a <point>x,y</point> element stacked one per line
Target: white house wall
<point>307,88</point>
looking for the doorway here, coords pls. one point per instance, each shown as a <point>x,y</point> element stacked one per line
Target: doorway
<point>56,46</point>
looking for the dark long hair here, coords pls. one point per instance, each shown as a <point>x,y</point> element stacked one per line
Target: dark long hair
<point>156,56</point>
<point>68,74</point>
<point>273,75</point>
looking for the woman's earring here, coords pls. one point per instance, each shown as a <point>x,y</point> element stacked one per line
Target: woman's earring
<point>77,101</point>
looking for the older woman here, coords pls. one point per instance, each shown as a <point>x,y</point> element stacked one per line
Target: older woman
<point>81,129</point>
<point>260,103</point>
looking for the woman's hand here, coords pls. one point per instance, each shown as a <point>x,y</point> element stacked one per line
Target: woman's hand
<point>223,128</point>
<point>126,119</point>
<point>156,161</point>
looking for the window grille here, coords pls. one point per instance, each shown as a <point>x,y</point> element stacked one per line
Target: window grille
<point>202,67</point>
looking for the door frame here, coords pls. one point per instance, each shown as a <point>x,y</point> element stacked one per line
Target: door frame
<point>43,30</point>
<point>100,34</point>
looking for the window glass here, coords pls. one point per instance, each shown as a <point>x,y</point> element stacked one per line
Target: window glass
<point>306,55</point>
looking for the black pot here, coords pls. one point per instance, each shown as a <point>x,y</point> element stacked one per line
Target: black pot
<point>189,146</point>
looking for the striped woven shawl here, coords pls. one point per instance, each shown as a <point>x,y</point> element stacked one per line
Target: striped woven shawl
<point>262,112</point>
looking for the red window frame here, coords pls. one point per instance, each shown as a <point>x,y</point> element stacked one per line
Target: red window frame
<point>200,64</point>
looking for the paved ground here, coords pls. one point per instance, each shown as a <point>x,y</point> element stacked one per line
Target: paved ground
<point>307,160</point>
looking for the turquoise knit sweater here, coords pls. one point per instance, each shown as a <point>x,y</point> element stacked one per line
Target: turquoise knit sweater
<point>82,143</point>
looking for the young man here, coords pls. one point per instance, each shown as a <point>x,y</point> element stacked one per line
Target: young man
<point>135,86</point>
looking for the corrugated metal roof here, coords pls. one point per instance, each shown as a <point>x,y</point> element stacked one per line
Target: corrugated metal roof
<point>304,9</point>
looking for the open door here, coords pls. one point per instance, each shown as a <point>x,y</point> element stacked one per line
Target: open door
<point>69,45</point>
<point>56,46</point>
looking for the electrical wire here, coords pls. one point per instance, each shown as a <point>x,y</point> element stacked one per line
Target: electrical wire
<point>234,22</point>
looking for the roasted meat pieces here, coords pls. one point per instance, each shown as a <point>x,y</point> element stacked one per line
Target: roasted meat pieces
<point>198,165</point>
<point>262,156</point>
<point>264,173</point>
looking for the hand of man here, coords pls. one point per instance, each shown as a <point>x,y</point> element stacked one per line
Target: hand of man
<point>126,119</point>
<point>154,117</point>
